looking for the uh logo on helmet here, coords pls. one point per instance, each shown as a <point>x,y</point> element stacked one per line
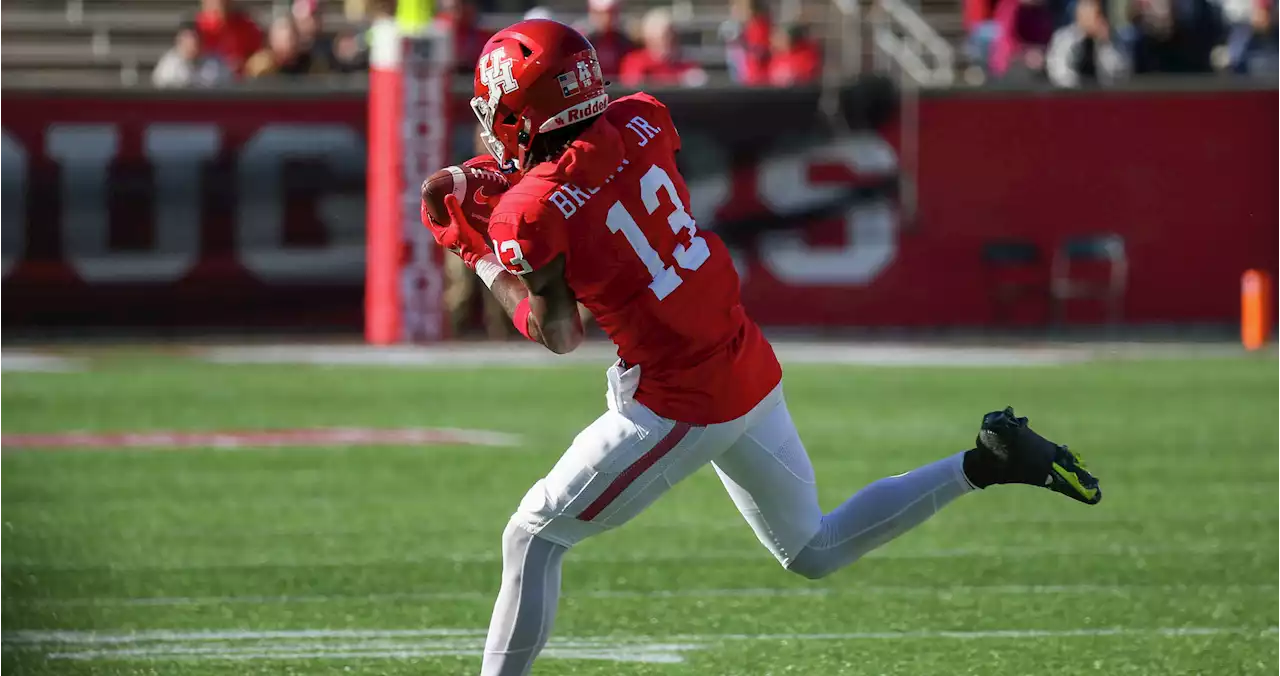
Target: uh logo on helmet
<point>533,77</point>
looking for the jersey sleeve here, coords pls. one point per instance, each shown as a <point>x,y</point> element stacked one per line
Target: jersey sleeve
<point>665,116</point>
<point>525,239</point>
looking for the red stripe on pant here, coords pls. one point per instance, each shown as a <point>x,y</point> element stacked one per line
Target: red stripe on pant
<point>630,474</point>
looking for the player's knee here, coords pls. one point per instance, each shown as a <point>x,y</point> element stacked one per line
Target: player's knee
<point>517,539</point>
<point>515,542</point>
<point>809,567</point>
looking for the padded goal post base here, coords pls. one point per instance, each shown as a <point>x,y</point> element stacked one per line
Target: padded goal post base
<point>408,140</point>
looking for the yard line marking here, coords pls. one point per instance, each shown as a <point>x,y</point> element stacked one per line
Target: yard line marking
<point>330,436</point>
<point>289,645</point>
<point>76,636</point>
<point>745,592</point>
<point>34,362</point>
<point>647,654</point>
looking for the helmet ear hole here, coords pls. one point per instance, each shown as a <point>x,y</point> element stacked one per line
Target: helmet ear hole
<point>509,119</point>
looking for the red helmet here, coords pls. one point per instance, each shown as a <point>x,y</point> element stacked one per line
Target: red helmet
<point>533,77</point>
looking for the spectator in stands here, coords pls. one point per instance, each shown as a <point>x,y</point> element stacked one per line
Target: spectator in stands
<point>982,30</point>
<point>1025,28</point>
<point>658,62</point>
<point>351,48</point>
<point>1173,36</point>
<point>795,59</point>
<point>349,53</point>
<point>355,10</point>
<point>468,38</point>
<point>283,54</point>
<point>185,66</point>
<point>539,12</point>
<point>748,36</point>
<point>228,32</point>
<point>1083,52</point>
<point>605,34</point>
<point>1251,38</point>
<point>311,37</point>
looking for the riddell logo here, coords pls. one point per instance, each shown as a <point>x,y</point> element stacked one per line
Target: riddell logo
<point>593,107</point>
<point>580,112</point>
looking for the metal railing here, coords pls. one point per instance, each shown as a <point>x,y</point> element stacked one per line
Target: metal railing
<point>907,47</point>
<point>842,55</point>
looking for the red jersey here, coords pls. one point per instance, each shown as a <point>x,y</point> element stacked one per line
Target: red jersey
<point>233,36</point>
<point>640,67</point>
<point>615,206</point>
<point>755,49</point>
<point>799,65</point>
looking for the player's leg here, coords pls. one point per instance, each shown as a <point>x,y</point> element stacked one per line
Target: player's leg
<point>768,474</point>
<point>527,601</point>
<point>769,477</point>
<point>616,467</point>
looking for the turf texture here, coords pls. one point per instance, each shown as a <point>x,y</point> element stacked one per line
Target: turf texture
<point>384,560</point>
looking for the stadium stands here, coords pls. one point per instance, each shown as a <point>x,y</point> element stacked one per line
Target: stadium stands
<point>113,42</point>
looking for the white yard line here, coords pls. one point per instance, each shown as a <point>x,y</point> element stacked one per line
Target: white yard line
<point>266,438</point>
<point>748,592</point>
<point>18,361</point>
<point>73,636</point>
<point>352,644</point>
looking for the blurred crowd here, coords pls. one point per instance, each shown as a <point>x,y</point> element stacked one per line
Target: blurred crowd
<point>223,43</point>
<point>1078,42</point>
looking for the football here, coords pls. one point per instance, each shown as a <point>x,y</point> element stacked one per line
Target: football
<point>476,183</point>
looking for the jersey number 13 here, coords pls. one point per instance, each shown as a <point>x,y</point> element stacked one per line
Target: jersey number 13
<point>689,257</point>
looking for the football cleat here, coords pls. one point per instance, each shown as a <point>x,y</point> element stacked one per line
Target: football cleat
<point>1022,456</point>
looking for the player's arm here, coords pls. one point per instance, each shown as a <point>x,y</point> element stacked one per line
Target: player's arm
<point>540,303</point>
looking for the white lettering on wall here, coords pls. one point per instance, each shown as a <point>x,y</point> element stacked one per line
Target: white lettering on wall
<point>870,227</point>
<point>260,212</point>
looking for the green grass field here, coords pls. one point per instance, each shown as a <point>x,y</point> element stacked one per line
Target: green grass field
<point>384,560</point>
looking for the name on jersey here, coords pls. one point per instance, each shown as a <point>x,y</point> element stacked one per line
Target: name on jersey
<point>643,129</point>
<point>568,198</point>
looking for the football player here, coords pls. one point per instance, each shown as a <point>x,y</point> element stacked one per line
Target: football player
<point>600,215</point>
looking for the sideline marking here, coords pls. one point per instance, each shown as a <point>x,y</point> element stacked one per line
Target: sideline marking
<point>19,361</point>
<point>231,440</point>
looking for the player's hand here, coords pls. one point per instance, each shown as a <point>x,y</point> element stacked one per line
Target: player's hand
<point>439,232</point>
<point>459,236</point>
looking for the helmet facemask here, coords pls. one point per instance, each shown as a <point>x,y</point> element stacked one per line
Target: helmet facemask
<point>494,72</point>
<point>486,112</point>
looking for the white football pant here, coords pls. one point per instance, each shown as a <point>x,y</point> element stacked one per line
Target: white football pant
<point>630,456</point>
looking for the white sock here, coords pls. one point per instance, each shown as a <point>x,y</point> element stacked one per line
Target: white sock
<point>880,512</point>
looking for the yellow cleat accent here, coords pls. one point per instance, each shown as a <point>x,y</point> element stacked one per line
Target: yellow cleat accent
<point>1071,478</point>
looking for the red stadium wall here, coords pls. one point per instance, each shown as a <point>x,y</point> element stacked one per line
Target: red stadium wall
<point>250,213</point>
